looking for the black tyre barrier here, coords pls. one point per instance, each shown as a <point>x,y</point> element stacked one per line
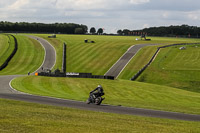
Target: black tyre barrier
<point>88,75</point>
<point>153,57</point>
<point>64,58</point>
<point>11,55</point>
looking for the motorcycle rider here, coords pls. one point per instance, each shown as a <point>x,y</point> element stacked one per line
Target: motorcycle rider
<point>97,92</point>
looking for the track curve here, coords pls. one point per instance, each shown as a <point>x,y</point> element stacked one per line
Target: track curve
<point>50,54</point>
<point>8,93</point>
<point>48,63</point>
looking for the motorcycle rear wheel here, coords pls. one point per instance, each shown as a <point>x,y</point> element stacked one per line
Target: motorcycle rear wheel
<point>98,100</point>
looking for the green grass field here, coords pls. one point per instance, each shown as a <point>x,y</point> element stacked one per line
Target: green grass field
<point>24,117</point>
<point>28,58</point>
<point>118,92</point>
<point>97,58</point>
<point>7,46</point>
<point>123,92</point>
<point>175,68</point>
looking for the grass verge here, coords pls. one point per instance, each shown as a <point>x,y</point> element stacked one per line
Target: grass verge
<point>20,117</point>
<point>176,68</point>
<point>118,92</point>
<point>28,58</point>
<point>7,46</point>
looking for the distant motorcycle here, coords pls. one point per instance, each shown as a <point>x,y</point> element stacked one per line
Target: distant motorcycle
<point>96,99</point>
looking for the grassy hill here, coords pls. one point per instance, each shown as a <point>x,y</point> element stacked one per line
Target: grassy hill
<point>97,57</point>
<point>28,58</point>
<point>175,68</point>
<point>7,45</point>
<point>117,92</point>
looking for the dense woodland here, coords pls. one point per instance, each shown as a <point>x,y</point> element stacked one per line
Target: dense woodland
<point>67,28</point>
<point>170,31</point>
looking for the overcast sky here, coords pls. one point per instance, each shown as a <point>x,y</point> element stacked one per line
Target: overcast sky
<point>108,14</point>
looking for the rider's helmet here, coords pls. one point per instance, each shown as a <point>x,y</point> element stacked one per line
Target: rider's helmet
<point>99,86</point>
<point>100,89</point>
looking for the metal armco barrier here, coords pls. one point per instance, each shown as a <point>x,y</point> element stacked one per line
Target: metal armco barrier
<point>153,57</point>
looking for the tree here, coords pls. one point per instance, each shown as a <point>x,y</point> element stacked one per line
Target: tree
<point>78,31</point>
<point>126,31</point>
<point>119,32</point>
<point>85,29</point>
<point>92,30</point>
<point>100,31</point>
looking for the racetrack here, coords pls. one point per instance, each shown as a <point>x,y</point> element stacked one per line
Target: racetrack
<point>7,92</point>
<point>118,67</point>
<point>48,63</point>
<point>50,54</point>
<point>102,108</point>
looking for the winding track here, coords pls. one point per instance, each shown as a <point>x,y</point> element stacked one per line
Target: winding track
<point>8,93</point>
<point>50,54</point>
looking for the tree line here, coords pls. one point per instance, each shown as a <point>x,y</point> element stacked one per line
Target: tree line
<point>67,28</point>
<point>167,31</point>
<point>98,32</point>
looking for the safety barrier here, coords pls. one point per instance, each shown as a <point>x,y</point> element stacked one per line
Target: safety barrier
<point>64,58</point>
<point>57,73</point>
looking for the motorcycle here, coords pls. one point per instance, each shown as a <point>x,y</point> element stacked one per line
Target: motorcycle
<point>96,99</point>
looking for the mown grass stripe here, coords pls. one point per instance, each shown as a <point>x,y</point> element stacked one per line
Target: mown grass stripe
<point>82,57</point>
<point>55,88</point>
<point>27,55</point>
<point>9,52</point>
<point>85,58</point>
<point>4,48</point>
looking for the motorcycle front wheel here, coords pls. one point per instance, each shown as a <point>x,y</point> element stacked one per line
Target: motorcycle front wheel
<point>88,101</point>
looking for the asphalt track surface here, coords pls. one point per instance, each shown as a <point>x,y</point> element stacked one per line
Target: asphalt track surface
<point>50,54</point>
<point>7,92</point>
<point>119,66</point>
